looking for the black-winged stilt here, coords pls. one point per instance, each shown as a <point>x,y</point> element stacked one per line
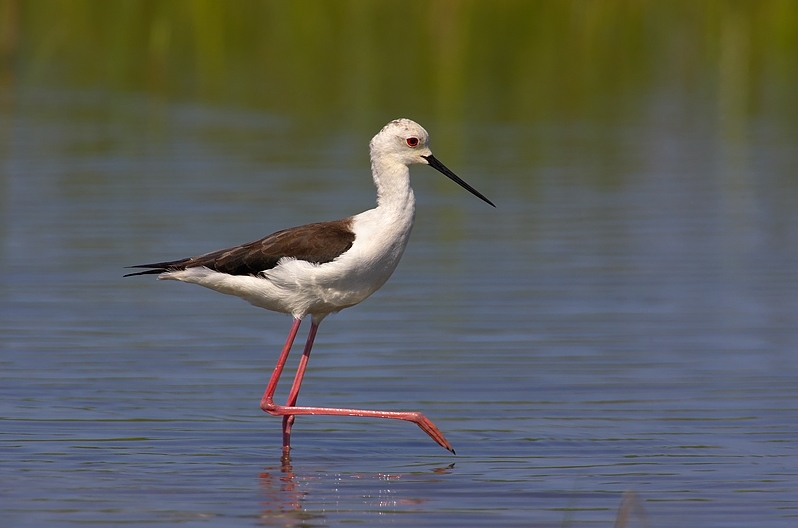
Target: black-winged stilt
<point>318,269</point>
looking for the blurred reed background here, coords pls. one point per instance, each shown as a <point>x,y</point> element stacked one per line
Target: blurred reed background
<point>453,61</point>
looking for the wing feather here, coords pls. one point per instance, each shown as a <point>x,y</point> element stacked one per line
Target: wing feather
<point>317,243</point>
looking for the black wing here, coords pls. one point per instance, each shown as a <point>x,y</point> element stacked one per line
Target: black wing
<point>317,243</point>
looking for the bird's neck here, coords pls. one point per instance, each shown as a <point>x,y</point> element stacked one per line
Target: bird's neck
<point>394,194</point>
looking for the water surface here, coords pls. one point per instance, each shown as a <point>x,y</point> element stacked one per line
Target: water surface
<point>577,342</point>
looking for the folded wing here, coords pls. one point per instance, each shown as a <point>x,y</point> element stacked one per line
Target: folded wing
<point>316,243</point>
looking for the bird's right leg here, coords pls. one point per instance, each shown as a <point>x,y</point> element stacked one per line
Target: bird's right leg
<point>290,410</point>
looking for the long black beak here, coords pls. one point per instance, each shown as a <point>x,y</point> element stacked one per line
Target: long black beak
<point>440,167</point>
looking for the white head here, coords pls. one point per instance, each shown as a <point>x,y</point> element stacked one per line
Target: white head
<point>406,142</point>
<point>403,140</point>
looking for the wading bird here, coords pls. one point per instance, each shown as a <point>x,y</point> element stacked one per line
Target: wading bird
<point>322,268</point>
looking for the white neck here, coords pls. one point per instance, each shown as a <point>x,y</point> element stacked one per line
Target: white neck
<point>394,194</point>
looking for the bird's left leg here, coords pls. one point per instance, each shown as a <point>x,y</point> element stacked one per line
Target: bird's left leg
<point>288,420</point>
<point>267,401</point>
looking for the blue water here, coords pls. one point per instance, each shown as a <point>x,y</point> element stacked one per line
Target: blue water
<point>626,320</point>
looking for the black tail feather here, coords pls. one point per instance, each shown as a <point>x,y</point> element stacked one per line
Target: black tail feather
<point>157,268</point>
<point>156,271</point>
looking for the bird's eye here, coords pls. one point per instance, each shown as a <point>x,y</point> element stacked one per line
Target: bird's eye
<point>412,142</point>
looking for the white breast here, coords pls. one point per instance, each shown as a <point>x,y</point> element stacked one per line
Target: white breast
<point>322,289</point>
<point>300,288</point>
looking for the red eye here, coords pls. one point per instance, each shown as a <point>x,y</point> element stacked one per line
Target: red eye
<point>412,141</point>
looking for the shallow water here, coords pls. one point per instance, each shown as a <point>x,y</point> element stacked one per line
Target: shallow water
<point>586,338</point>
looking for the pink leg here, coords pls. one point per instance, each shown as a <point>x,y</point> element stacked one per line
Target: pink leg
<point>289,411</point>
<point>288,420</point>
<point>268,394</point>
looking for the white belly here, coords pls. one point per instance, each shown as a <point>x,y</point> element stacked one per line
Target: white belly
<point>300,288</point>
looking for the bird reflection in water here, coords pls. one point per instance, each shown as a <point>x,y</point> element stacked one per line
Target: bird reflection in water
<point>285,492</point>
